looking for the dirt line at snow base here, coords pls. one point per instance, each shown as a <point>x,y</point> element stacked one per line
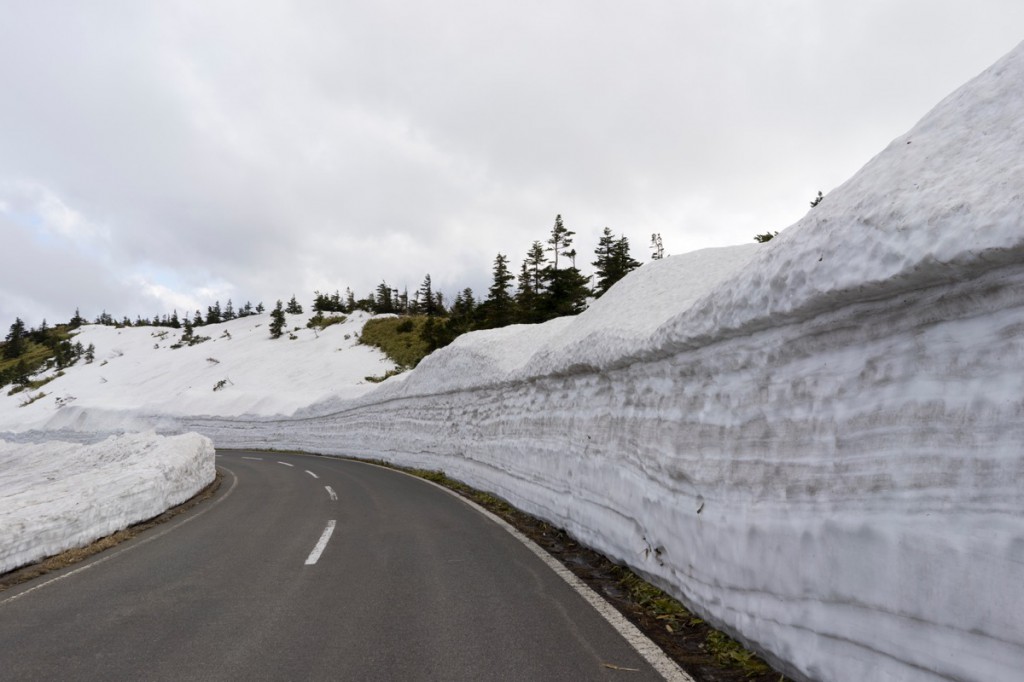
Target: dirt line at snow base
<point>707,654</point>
<point>79,554</point>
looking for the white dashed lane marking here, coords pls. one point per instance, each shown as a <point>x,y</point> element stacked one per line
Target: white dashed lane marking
<point>321,544</point>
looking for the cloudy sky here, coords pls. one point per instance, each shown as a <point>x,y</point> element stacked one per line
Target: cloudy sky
<point>164,155</point>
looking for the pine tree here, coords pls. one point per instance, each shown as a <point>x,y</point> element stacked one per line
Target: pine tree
<point>277,321</point>
<point>188,333</point>
<point>76,321</point>
<point>560,241</point>
<point>613,261</point>
<point>213,314</point>
<point>260,308</point>
<point>526,294</point>
<point>293,307</point>
<point>229,312</point>
<point>499,308</point>
<point>174,322</point>
<point>15,341</point>
<point>383,301</point>
<point>561,291</point>
<point>463,313</point>
<point>427,301</point>
<point>565,293</point>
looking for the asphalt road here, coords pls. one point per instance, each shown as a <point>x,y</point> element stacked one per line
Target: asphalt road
<point>412,584</point>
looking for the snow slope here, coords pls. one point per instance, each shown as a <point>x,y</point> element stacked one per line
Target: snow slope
<point>137,376</point>
<point>816,442</point>
<point>56,496</point>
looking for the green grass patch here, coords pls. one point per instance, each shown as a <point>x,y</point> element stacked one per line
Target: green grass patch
<point>398,337</point>
<point>321,323</point>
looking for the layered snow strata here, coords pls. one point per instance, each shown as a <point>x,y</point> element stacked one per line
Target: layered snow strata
<point>56,495</point>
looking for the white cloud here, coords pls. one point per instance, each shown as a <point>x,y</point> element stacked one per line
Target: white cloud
<point>264,149</point>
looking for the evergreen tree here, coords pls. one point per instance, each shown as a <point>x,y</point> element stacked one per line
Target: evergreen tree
<point>817,200</point>
<point>613,261</point>
<point>15,341</point>
<point>383,301</point>
<point>293,307</point>
<point>428,304</point>
<point>174,322</point>
<point>499,308</point>
<point>561,291</point>
<point>90,353</point>
<point>229,312</point>
<point>197,320</point>
<point>260,308</point>
<point>526,294</point>
<point>463,313</point>
<point>277,321</point>
<point>213,314</point>
<point>565,293</point>
<point>766,237</point>
<point>560,241</point>
<point>403,302</point>
<point>76,321</point>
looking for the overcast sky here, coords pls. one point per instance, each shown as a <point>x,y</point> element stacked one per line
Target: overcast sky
<point>164,155</point>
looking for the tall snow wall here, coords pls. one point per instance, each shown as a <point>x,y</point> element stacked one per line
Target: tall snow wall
<point>60,495</point>
<point>817,443</point>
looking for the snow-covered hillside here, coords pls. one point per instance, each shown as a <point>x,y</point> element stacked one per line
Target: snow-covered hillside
<point>817,442</point>
<point>137,372</point>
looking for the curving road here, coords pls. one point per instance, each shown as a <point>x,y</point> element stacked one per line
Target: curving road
<point>410,583</point>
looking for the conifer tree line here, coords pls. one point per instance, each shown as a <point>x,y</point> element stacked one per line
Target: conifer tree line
<point>215,314</point>
<point>548,284</point>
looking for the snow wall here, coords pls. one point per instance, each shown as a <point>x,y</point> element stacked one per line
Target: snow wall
<point>59,495</point>
<point>816,443</point>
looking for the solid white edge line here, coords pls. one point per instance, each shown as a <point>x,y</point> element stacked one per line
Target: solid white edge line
<point>287,464</point>
<point>650,651</point>
<point>311,473</point>
<point>330,491</point>
<point>321,544</point>
<point>131,546</point>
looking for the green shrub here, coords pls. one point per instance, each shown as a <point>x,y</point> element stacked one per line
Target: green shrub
<point>404,348</point>
<point>320,322</point>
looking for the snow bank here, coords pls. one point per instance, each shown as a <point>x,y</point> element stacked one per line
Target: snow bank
<point>816,442</point>
<point>56,496</point>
